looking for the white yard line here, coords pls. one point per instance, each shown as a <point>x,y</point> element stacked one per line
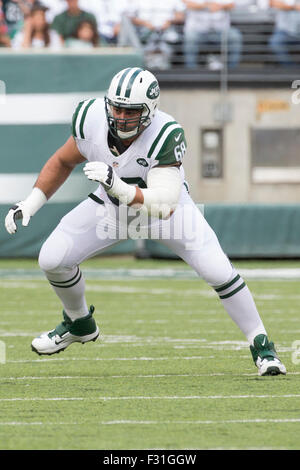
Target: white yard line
<point>126,359</point>
<point>133,398</point>
<point>152,376</point>
<point>196,422</point>
<point>26,284</point>
<point>167,273</point>
<point>90,359</point>
<point>143,291</point>
<point>155,423</point>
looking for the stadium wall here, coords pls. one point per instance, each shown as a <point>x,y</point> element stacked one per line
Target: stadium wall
<point>256,158</point>
<point>242,161</point>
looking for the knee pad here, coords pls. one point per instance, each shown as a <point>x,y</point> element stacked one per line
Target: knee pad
<point>53,254</point>
<point>219,275</point>
<point>214,267</point>
<point>226,276</point>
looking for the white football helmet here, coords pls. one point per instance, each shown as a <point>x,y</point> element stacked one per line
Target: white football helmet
<point>132,88</point>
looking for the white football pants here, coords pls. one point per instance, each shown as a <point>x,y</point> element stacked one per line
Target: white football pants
<point>91,227</point>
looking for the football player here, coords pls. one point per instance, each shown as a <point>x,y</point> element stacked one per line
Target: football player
<point>135,151</point>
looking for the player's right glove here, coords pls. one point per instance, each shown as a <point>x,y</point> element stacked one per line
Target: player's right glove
<point>100,171</point>
<point>24,210</point>
<point>113,185</point>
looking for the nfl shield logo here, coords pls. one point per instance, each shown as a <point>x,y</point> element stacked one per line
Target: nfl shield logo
<point>115,164</point>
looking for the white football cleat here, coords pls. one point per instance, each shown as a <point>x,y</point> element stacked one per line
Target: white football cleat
<point>270,367</point>
<point>67,332</point>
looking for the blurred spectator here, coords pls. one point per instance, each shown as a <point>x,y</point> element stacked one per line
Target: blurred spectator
<point>286,35</point>
<point>55,7</point>
<point>245,5</point>
<point>262,4</point>
<point>208,23</point>
<point>155,23</point>
<point>4,37</point>
<point>251,5</point>
<point>36,32</point>
<point>86,36</point>
<point>108,14</point>
<point>66,23</point>
<point>15,11</point>
<point>156,16</point>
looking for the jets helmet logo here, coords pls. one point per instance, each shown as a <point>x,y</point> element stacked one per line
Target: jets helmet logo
<point>153,90</point>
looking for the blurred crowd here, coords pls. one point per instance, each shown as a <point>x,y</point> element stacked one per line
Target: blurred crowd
<point>87,24</point>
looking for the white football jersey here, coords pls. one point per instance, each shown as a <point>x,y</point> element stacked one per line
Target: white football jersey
<point>162,143</point>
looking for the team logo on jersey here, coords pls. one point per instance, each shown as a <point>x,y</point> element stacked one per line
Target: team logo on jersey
<point>142,161</point>
<point>153,90</point>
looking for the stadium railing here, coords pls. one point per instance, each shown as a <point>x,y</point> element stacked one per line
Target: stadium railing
<point>258,64</point>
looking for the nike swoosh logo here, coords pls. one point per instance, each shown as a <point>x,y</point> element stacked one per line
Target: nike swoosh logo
<point>177,137</point>
<point>62,338</point>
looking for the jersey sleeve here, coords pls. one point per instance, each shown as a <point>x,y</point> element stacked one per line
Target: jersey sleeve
<point>169,147</point>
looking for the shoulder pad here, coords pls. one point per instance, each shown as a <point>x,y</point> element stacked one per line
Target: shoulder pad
<point>79,119</point>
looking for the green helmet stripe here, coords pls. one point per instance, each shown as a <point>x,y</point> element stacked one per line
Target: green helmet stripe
<point>121,81</point>
<point>130,83</point>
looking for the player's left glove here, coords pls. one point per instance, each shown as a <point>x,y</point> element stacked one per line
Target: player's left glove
<point>113,185</point>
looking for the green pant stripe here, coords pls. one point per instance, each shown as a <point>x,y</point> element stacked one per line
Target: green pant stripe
<point>233,292</point>
<point>159,136</point>
<point>96,198</point>
<point>66,287</point>
<point>83,117</point>
<point>130,83</point>
<point>229,284</point>
<point>126,72</point>
<point>75,118</point>
<point>59,283</point>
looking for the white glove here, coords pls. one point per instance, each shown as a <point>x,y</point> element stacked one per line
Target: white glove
<point>19,211</point>
<point>24,210</point>
<point>99,171</point>
<point>113,185</point>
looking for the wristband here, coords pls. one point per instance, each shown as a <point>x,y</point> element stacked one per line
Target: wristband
<point>121,190</point>
<point>35,200</point>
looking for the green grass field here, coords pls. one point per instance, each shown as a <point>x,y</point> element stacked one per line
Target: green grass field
<point>170,370</point>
